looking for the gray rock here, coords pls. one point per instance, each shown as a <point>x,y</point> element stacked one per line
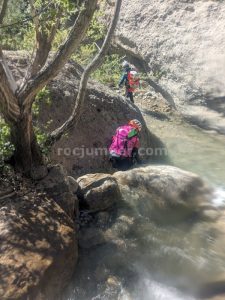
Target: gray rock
<point>90,237</point>
<point>98,191</point>
<point>181,45</point>
<point>210,214</point>
<point>38,249</point>
<point>73,184</point>
<point>102,218</point>
<point>164,193</point>
<point>101,273</point>
<point>56,185</point>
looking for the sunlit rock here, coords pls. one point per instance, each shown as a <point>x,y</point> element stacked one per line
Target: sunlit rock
<point>38,248</point>
<point>98,191</point>
<point>164,193</point>
<point>180,44</point>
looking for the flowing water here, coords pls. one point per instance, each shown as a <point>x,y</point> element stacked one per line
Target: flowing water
<point>192,149</point>
<point>153,262</point>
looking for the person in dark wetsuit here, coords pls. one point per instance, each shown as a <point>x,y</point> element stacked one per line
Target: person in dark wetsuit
<point>124,80</point>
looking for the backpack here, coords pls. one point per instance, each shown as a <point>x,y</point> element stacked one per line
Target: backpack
<point>133,79</point>
<point>123,141</point>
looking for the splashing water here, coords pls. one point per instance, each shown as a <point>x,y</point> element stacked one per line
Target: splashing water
<point>219,197</point>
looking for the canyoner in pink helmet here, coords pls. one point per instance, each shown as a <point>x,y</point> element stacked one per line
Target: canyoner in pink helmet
<point>125,144</point>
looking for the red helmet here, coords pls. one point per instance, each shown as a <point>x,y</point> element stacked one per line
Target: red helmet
<point>136,124</point>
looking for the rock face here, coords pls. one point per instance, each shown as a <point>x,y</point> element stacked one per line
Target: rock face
<point>181,45</point>
<point>84,149</point>
<point>38,248</point>
<point>164,193</point>
<point>61,189</point>
<point>98,191</point>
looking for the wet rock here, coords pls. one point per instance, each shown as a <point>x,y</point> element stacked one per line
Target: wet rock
<point>113,281</point>
<point>217,229</point>
<point>102,273</point>
<point>115,239</point>
<point>98,191</point>
<point>164,193</point>
<point>38,249</point>
<point>210,214</point>
<point>85,218</point>
<point>102,219</point>
<point>122,225</point>
<point>90,237</point>
<point>213,290</point>
<point>217,297</point>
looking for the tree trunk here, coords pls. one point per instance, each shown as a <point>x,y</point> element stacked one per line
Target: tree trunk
<point>42,52</point>
<point>3,10</point>
<point>27,151</point>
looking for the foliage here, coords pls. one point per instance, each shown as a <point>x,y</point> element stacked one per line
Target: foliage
<point>42,98</point>
<point>110,71</point>
<point>41,139</point>
<point>95,36</point>
<point>20,35</point>
<point>60,37</point>
<point>6,148</point>
<point>12,36</point>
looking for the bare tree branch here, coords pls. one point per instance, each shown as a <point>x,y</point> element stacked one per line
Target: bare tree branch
<point>34,15</point>
<point>44,39</point>
<point>3,10</point>
<point>35,84</point>
<point>96,62</point>
<point>55,27</point>
<point>8,102</point>
<point>110,3</point>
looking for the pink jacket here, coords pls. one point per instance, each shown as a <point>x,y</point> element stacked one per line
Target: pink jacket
<point>121,145</point>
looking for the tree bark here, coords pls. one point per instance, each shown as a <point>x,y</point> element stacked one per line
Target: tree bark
<point>3,10</point>
<point>27,153</point>
<point>96,62</point>
<point>44,38</point>
<point>8,102</point>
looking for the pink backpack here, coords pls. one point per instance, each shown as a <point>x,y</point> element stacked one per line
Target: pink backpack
<point>122,145</point>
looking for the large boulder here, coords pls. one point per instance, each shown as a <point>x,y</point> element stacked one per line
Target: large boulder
<point>38,248</point>
<point>181,45</point>
<point>165,193</point>
<point>98,191</point>
<point>84,149</point>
